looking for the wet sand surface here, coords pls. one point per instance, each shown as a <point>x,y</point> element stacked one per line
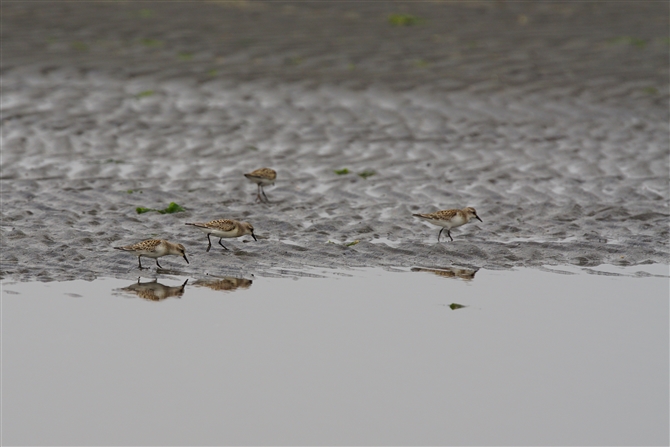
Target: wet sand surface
<point>550,119</point>
<point>566,356</point>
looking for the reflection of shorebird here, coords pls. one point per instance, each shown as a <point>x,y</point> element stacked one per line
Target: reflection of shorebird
<point>154,291</point>
<point>450,272</point>
<point>227,283</point>
<point>262,177</point>
<point>448,219</point>
<point>155,248</point>
<point>224,228</point>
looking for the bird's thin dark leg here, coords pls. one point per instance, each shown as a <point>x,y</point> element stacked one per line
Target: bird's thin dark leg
<point>210,242</point>
<point>258,194</point>
<point>263,191</point>
<point>449,234</point>
<point>439,234</point>
<point>159,266</point>
<point>222,244</point>
<point>139,259</point>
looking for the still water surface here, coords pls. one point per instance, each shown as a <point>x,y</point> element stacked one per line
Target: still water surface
<point>569,356</point>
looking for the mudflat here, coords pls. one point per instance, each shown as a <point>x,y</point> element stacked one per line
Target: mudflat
<point>550,119</point>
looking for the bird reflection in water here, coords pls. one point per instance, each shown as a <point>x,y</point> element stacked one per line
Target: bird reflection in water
<point>450,272</point>
<point>226,283</point>
<point>154,291</point>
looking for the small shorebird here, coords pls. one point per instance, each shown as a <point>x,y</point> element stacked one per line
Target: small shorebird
<point>155,248</point>
<point>224,228</point>
<point>448,219</point>
<point>262,177</point>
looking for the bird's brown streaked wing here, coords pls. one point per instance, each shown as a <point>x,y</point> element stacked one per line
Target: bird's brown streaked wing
<point>222,224</point>
<point>144,245</point>
<point>147,245</point>
<point>445,214</point>
<point>263,173</point>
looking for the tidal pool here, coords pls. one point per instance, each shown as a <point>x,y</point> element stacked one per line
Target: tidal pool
<point>438,356</point>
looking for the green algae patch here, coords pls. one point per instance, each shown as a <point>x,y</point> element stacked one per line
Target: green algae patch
<point>404,20</point>
<point>455,306</point>
<point>144,94</point>
<point>422,63</point>
<point>343,171</point>
<point>171,208</point>
<point>145,13</point>
<point>628,40</point>
<point>366,174</point>
<point>295,60</point>
<point>351,244</point>
<point>151,42</point>
<point>80,46</point>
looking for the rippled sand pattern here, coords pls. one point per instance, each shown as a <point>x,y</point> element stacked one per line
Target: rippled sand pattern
<point>554,130</point>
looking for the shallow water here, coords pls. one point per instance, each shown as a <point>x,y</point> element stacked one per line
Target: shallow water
<point>441,356</point>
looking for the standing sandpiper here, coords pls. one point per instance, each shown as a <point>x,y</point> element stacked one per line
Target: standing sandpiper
<point>155,248</point>
<point>448,219</point>
<point>224,228</point>
<point>262,177</point>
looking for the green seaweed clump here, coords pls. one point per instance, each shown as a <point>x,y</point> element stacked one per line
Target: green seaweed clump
<point>145,13</point>
<point>455,306</point>
<point>404,20</point>
<point>343,171</point>
<point>144,94</point>
<point>171,208</point>
<point>635,41</point>
<point>350,244</point>
<point>366,174</point>
<point>422,63</point>
<point>151,42</point>
<point>80,46</point>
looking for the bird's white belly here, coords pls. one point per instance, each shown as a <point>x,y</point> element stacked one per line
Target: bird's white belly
<point>219,233</point>
<point>456,221</point>
<point>159,252</point>
<point>261,181</point>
